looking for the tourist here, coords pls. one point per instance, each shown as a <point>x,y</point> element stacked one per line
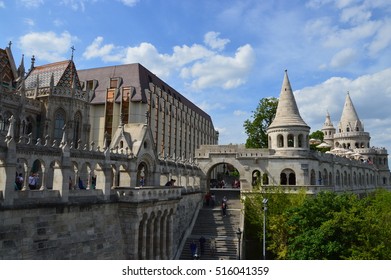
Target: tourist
<point>70,183</point>
<point>213,200</point>
<point>202,241</point>
<point>170,183</point>
<point>93,182</point>
<point>193,250</point>
<point>32,181</point>
<point>224,206</point>
<point>212,246</point>
<point>19,181</point>
<point>207,198</point>
<point>81,186</point>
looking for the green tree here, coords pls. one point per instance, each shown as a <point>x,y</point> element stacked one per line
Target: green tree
<point>374,235</point>
<point>262,118</point>
<point>317,135</point>
<point>279,202</point>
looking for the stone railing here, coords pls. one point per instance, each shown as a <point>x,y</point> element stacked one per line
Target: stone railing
<point>142,194</point>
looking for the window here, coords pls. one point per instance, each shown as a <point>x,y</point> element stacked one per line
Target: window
<point>280,141</point>
<point>77,129</point>
<point>59,122</point>
<point>291,141</point>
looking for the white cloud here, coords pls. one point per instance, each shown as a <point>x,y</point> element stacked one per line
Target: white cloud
<point>382,39</point>
<point>370,94</point>
<point>129,3</point>
<point>47,45</point>
<point>202,66</point>
<point>29,21</point>
<point>211,39</point>
<point>221,71</point>
<point>76,4</point>
<point>343,58</point>
<point>31,3</point>
<point>95,49</point>
<point>240,113</point>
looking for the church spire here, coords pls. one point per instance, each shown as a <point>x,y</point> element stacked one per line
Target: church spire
<point>287,112</point>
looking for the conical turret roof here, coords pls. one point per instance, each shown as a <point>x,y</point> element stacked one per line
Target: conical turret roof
<point>349,118</point>
<point>287,112</point>
<point>327,123</point>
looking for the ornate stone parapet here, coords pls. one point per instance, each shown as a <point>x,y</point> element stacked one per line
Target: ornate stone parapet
<point>146,194</point>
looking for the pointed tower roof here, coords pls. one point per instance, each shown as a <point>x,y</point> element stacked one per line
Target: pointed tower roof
<point>349,118</point>
<point>327,123</point>
<point>287,112</point>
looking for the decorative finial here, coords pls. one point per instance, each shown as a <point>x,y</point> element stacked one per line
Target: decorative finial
<point>32,62</point>
<point>73,50</point>
<point>9,44</point>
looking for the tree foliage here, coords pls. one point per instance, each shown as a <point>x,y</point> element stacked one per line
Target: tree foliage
<point>326,226</point>
<point>261,119</point>
<point>317,135</point>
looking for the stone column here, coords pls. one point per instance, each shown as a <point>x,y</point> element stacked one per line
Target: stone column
<point>170,233</point>
<point>150,235</point>
<point>157,237</point>
<point>8,166</point>
<point>163,238</point>
<point>143,239</point>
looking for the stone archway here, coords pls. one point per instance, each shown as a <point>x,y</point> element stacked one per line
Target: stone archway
<point>207,166</point>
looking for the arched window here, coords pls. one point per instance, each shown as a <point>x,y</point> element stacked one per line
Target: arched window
<point>256,177</point>
<point>280,141</point>
<point>300,141</point>
<point>313,177</point>
<point>6,121</point>
<point>283,179</point>
<point>292,179</point>
<point>59,122</point>
<point>291,142</point>
<point>338,179</point>
<point>77,129</point>
<point>265,179</point>
<point>288,177</point>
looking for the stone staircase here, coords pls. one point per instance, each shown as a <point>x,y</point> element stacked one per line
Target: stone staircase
<point>210,223</point>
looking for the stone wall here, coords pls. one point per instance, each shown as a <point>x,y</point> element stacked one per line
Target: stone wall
<point>79,230</point>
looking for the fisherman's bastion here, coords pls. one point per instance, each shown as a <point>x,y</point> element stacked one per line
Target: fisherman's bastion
<point>102,143</point>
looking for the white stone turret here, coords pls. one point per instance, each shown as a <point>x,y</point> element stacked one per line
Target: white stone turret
<point>288,131</point>
<point>328,130</point>
<point>351,134</point>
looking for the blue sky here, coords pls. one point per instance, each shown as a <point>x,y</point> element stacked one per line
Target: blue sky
<point>225,55</point>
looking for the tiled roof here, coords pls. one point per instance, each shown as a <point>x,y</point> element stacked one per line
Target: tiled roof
<point>62,73</point>
<point>5,68</point>
<point>136,76</point>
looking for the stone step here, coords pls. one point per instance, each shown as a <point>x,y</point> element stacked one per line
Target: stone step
<point>211,223</point>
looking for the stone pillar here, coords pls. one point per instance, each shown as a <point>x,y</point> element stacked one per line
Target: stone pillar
<point>170,237</point>
<point>143,239</point>
<point>163,238</point>
<point>8,167</point>
<point>150,239</point>
<point>133,238</point>
<point>156,238</point>
<point>104,179</point>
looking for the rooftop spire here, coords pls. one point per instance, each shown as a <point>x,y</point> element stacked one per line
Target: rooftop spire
<point>73,50</point>
<point>287,112</point>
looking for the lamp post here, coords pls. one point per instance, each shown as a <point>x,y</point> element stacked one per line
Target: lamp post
<point>264,202</point>
<point>239,235</point>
